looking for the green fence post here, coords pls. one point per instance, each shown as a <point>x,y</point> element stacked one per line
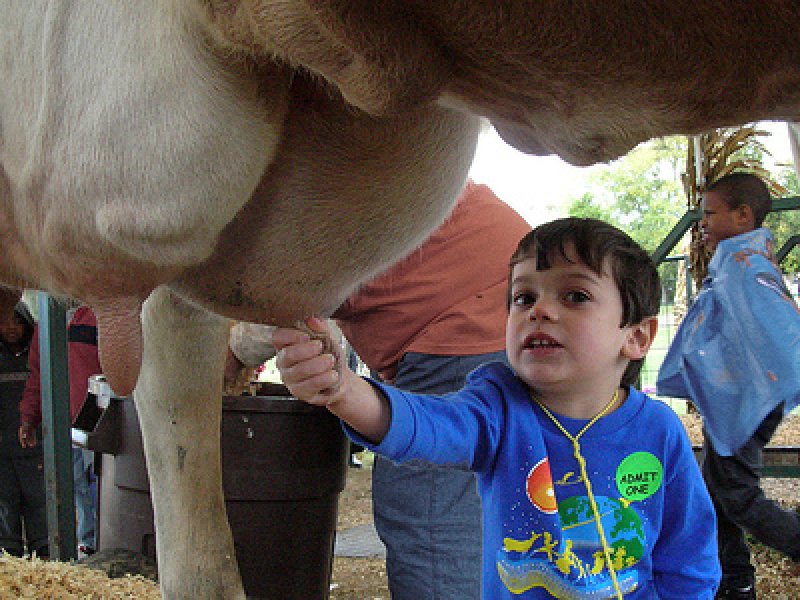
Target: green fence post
<point>56,425</point>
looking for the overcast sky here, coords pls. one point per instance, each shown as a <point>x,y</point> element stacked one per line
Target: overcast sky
<point>539,188</point>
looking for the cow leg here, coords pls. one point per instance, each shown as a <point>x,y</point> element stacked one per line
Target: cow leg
<point>179,400</point>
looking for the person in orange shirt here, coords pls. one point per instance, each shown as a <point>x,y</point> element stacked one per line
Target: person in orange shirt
<point>423,325</point>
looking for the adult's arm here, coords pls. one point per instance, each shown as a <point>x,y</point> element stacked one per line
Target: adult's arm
<point>30,407</point>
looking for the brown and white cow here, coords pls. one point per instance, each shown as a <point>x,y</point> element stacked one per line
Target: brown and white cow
<point>260,158</point>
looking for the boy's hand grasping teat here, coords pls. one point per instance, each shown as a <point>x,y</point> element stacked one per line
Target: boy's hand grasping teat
<point>310,362</point>
<point>313,368</point>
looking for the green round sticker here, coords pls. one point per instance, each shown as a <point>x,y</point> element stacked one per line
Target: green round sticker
<point>639,476</point>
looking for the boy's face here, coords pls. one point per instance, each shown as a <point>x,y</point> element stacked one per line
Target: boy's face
<point>11,331</point>
<point>562,332</point>
<point>721,222</point>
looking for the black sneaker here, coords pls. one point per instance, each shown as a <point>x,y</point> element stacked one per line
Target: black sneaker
<point>745,592</point>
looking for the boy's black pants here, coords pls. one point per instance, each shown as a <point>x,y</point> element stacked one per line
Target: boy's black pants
<point>741,506</point>
<point>22,500</point>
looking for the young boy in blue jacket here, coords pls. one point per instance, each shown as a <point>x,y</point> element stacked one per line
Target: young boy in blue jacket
<point>589,488</point>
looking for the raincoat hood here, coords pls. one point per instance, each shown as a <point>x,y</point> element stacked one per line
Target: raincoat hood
<point>21,310</point>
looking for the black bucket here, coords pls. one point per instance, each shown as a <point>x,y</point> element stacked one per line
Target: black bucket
<point>283,466</point>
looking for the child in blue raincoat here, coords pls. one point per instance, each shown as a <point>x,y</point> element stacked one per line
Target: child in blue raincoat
<point>736,355</point>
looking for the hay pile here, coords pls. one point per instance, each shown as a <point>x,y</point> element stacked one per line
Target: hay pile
<point>360,578</point>
<point>34,579</point>
<point>787,434</point>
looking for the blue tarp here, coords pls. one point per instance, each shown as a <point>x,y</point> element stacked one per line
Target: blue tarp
<point>736,354</point>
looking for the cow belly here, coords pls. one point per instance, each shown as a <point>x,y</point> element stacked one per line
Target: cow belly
<point>345,197</point>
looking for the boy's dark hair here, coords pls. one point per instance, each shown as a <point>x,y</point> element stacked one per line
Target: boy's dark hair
<point>631,268</point>
<point>744,188</point>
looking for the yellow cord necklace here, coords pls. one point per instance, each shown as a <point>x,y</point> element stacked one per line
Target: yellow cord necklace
<point>576,448</point>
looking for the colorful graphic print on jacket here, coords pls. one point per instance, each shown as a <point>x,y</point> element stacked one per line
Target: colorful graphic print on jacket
<point>566,555</point>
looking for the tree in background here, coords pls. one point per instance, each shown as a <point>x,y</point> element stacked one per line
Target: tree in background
<point>641,194</point>
<point>785,224</point>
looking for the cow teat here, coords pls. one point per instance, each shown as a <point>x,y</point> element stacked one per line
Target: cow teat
<point>120,341</point>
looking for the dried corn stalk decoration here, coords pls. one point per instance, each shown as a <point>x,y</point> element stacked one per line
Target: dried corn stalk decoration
<point>711,156</point>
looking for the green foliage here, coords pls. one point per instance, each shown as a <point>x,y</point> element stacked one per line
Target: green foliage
<point>785,224</point>
<point>640,193</point>
<point>585,206</point>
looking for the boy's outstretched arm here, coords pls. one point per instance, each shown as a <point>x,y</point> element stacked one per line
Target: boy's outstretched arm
<point>318,377</point>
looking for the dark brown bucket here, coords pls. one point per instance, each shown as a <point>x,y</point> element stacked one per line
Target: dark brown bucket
<point>283,466</point>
